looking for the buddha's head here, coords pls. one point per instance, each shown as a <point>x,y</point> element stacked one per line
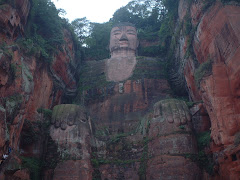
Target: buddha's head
<point>123,40</point>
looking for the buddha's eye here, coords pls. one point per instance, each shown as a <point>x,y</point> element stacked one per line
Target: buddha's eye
<point>131,32</point>
<point>116,32</point>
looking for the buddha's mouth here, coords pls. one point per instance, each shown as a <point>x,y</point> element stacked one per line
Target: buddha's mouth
<point>123,43</point>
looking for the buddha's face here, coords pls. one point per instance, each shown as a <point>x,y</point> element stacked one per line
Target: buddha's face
<point>123,37</point>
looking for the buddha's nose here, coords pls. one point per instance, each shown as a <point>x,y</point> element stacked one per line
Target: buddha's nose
<point>124,37</point>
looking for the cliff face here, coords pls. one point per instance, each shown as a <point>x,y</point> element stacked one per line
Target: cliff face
<point>26,82</point>
<point>216,49</point>
<point>131,129</point>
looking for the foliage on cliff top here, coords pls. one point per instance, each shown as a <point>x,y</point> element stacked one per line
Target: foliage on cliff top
<point>98,41</point>
<point>44,28</point>
<point>44,31</point>
<point>151,18</point>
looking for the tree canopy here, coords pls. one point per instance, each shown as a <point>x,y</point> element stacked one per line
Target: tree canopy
<point>149,17</point>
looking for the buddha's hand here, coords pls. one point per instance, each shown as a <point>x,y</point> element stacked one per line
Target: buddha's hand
<point>173,110</point>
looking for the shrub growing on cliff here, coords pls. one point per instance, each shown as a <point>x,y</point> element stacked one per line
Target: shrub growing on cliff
<point>45,28</point>
<point>203,139</point>
<point>33,165</point>
<point>30,133</point>
<point>237,139</point>
<point>47,113</point>
<point>203,70</point>
<point>204,160</point>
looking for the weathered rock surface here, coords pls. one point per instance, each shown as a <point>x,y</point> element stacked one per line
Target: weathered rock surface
<point>13,19</point>
<point>129,142</point>
<point>171,140</point>
<point>26,82</point>
<point>119,105</point>
<point>73,169</point>
<point>71,132</point>
<point>220,41</point>
<point>171,167</point>
<point>216,40</point>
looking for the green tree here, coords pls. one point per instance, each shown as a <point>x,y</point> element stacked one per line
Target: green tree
<point>81,28</point>
<point>45,28</point>
<point>98,41</point>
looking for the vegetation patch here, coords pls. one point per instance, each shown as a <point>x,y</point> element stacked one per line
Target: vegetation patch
<point>190,104</point>
<point>151,51</point>
<point>92,84</point>
<point>28,46</point>
<point>149,68</point>
<point>205,69</point>
<point>203,139</point>
<point>52,156</point>
<point>207,4</point>
<point>204,161</point>
<point>34,165</point>
<point>5,49</point>
<point>47,113</point>
<point>237,139</point>
<point>143,160</point>
<point>30,133</point>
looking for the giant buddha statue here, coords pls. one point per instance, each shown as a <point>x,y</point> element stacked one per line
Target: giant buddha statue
<point>127,100</point>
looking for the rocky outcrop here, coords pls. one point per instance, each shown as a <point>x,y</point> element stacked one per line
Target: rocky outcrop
<point>220,90</point>
<point>121,137</point>
<point>71,132</point>
<point>215,79</point>
<point>64,67</point>
<point>171,141</point>
<point>27,83</point>
<point>13,19</point>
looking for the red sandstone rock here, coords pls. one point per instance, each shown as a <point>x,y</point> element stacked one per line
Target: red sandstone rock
<point>169,142</point>
<point>62,66</point>
<point>172,167</point>
<point>73,169</point>
<point>182,9</point>
<point>112,172</point>
<point>13,20</point>
<point>22,174</point>
<point>27,79</point>
<point>217,39</point>
<point>220,41</point>
<point>121,109</point>
<point>200,118</point>
<point>71,132</point>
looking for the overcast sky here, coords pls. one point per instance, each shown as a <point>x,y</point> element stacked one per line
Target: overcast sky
<point>95,10</point>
